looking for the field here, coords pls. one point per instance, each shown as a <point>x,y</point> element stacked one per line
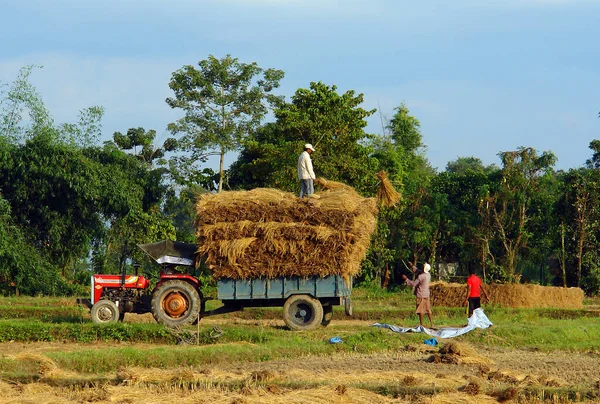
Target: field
<point>50,352</point>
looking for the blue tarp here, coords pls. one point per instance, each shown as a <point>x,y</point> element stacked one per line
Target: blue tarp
<point>477,320</point>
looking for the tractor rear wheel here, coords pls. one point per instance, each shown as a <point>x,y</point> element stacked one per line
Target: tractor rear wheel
<point>302,312</point>
<point>175,303</point>
<point>105,311</point>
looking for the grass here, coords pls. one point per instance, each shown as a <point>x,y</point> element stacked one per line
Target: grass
<point>150,345</point>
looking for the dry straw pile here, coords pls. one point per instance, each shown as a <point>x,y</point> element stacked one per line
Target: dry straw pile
<point>510,295</point>
<point>267,233</point>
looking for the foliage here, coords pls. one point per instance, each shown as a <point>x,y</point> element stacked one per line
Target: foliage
<point>21,95</point>
<point>333,123</point>
<point>35,331</point>
<point>180,208</point>
<point>410,227</point>
<point>144,140</point>
<point>22,269</point>
<point>224,101</point>
<point>508,206</point>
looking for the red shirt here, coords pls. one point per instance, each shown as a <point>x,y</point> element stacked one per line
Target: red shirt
<point>475,283</point>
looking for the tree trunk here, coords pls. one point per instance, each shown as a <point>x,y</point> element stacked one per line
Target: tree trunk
<point>386,276</point>
<point>221,163</point>
<point>579,256</point>
<point>562,261</point>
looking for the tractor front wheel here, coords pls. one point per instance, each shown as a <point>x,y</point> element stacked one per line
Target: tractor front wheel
<point>175,303</point>
<point>302,312</point>
<point>105,311</point>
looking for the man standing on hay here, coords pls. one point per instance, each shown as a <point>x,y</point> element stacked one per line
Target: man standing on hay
<point>306,175</point>
<point>421,287</point>
<point>474,289</point>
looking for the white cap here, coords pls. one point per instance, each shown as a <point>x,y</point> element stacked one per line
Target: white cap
<point>426,268</point>
<point>309,146</point>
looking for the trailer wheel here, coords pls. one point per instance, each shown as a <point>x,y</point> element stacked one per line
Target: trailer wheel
<point>302,312</point>
<point>105,311</point>
<point>348,306</point>
<point>175,303</point>
<point>327,315</point>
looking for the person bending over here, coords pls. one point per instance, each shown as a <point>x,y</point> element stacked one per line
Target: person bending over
<point>421,290</point>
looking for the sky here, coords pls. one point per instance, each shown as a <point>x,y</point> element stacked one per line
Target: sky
<point>481,76</point>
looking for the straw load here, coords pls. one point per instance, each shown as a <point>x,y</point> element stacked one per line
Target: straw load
<point>510,295</point>
<point>267,233</point>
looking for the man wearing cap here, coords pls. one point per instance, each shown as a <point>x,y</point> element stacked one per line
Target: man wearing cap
<point>306,175</point>
<point>421,288</point>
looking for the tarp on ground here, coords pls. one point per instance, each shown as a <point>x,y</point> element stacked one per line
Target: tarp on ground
<point>477,320</point>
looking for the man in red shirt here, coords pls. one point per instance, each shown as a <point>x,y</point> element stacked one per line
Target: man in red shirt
<point>474,289</point>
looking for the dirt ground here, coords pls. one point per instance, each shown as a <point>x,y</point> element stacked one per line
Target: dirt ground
<point>408,375</point>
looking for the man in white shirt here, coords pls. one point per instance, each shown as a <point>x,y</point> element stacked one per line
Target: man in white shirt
<point>306,175</point>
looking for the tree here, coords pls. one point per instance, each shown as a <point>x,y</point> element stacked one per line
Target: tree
<point>460,240</point>
<point>413,224</point>
<point>21,95</point>
<point>508,207</point>
<point>224,101</point>
<point>463,165</point>
<point>144,140</point>
<point>334,123</point>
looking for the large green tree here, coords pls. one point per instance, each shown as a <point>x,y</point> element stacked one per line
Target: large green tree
<point>224,100</point>
<point>334,123</point>
<point>509,206</point>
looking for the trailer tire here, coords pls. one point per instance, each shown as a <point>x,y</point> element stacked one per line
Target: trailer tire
<point>302,312</point>
<point>327,315</point>
<point>175,303</point>
<point>105,311</point>
<point>348,306</point>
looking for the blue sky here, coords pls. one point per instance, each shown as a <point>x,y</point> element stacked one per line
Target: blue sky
<point>481,76</point>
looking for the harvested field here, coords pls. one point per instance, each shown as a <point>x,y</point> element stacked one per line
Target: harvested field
<point>402,376</point>
<point>510,295</point>
<point>266,233</point>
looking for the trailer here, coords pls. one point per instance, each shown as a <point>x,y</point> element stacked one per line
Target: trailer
<point>176,300</point>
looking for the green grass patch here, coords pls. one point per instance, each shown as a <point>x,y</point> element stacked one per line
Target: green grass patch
<point>36,331</point>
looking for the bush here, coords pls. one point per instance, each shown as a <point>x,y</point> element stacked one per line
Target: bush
<point>590,283</point>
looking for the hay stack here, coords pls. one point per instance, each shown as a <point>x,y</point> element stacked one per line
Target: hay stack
<point>267,233</point>
<point>459,353</point>
<point>510,295</point>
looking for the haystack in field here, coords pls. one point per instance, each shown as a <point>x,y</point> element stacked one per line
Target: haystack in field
<point>510,295</point>
<point>267,233</point>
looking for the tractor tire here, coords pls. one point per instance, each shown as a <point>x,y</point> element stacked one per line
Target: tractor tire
<point>302,312</point>
<point>105,311</point>
<point>327,315</point>
<point>175,303</point>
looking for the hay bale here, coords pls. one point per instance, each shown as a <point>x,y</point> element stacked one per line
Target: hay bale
<point>266,233</point>
<point>510,295</point>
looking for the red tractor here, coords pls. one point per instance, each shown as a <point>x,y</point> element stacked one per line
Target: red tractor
<point>176,299</point>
